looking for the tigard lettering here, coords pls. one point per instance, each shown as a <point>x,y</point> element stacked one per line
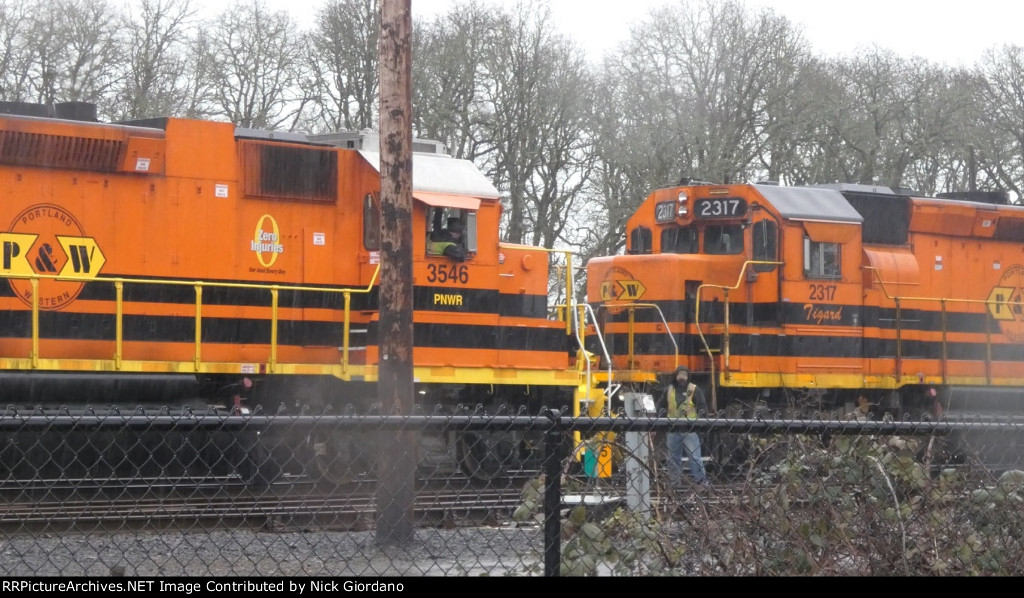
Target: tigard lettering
<point>820,315</point>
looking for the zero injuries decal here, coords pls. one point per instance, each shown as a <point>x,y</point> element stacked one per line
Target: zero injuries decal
<point>47,240</point>
<point>266,244</point>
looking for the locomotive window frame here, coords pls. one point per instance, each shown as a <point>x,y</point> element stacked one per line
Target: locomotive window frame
<point>439,215</point>
<point>765,242</point>
<point>680,239</point>
<point>723,239</point>
<point>371,222</point>
<point>822,260</point>
<point>640,240</point>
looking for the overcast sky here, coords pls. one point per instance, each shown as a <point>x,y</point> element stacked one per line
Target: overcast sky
<point>948,31</point>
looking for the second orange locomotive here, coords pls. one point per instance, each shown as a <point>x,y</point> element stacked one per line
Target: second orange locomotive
<point>844,299</point>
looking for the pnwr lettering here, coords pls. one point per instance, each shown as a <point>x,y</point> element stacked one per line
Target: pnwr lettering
<point>447,299</point>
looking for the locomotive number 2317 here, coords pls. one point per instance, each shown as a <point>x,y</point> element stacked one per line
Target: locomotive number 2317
<point>447,273</point>
<point>720,207</point>
<point>823,292</point>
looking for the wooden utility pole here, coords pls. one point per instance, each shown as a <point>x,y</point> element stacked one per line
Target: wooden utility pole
<point>396,469</point>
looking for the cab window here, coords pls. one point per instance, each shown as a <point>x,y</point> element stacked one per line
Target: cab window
<point>679,239</point>
<point>724,239</point>
<point>764,240</point>
<point>371,222</point>
<point>451,226</point>
<point>821,260</point>
<point>640,240</point>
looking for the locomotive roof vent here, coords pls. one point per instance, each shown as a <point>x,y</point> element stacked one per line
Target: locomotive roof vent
<point>1001,198</point>
<point>286,136</point>
<point>370,141</point>
<point>855,188</point>
<point>83,111</point>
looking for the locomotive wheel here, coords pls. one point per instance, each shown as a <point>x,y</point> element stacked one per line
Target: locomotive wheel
<point>487,456</point>
<point>341,456</point>
<point>255,464</point>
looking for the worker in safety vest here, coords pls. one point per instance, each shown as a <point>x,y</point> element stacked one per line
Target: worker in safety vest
<point>448,241</point>
<point>684,399</point>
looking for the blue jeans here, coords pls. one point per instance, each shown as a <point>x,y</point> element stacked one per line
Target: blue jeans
<point>686,444</point>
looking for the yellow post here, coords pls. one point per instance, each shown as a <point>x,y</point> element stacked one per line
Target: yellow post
<point>568,291</point>
<point>345,332</point>
<point>197,359</point>
<point>119,324</point>
<point>35,322</point>
<point>273,327</point>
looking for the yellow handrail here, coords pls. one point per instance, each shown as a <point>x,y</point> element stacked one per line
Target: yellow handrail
<point>725,333</point>
<point>897,299</point>
<point>570,303</point>
<point>198,286</point>
<point>631,306</point>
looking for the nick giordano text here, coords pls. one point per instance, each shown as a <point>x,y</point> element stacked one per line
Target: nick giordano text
<point>296,587</point>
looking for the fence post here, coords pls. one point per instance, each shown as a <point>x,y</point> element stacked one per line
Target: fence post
<point>638,478</point>
<point>553,496</point>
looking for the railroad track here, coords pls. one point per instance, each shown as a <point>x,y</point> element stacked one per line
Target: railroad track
<point>230,504</point>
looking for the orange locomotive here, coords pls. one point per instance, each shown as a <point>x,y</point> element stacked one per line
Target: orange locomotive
<point>198,255</point>
<point>846,300</point>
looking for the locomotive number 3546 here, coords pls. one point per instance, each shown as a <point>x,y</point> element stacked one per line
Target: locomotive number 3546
<point>445,273</point>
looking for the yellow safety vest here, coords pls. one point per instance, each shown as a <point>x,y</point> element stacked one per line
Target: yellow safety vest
<point>438,247</point>
<point>688,408</point>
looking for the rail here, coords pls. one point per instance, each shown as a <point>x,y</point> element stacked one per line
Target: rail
<point>198,286</point>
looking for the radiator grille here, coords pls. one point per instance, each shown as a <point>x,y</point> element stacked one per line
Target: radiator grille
<point>289,172</point>
<point>60,151</point>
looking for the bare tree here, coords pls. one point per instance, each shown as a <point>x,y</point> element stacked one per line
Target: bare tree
<point>72,51</point>
<point>564,163</point>
<point>999,130</point>
<point>199,78</point>
<point>895,121</point>
<point>701,90</point>
<point>15,56</point>
<point>631,139</point>
<point>937,146</point>
<point>342,61</point>
<point>449,78</point>
<point>92,49</point>
<point>535,93</point>
<point>254,57</point>
<point>802,147</point>
<point>154,82</point>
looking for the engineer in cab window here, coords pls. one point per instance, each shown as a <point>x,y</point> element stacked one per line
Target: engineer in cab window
<point>448,241</point>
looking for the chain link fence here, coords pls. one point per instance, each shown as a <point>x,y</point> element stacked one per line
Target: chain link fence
<point>471,494</point>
